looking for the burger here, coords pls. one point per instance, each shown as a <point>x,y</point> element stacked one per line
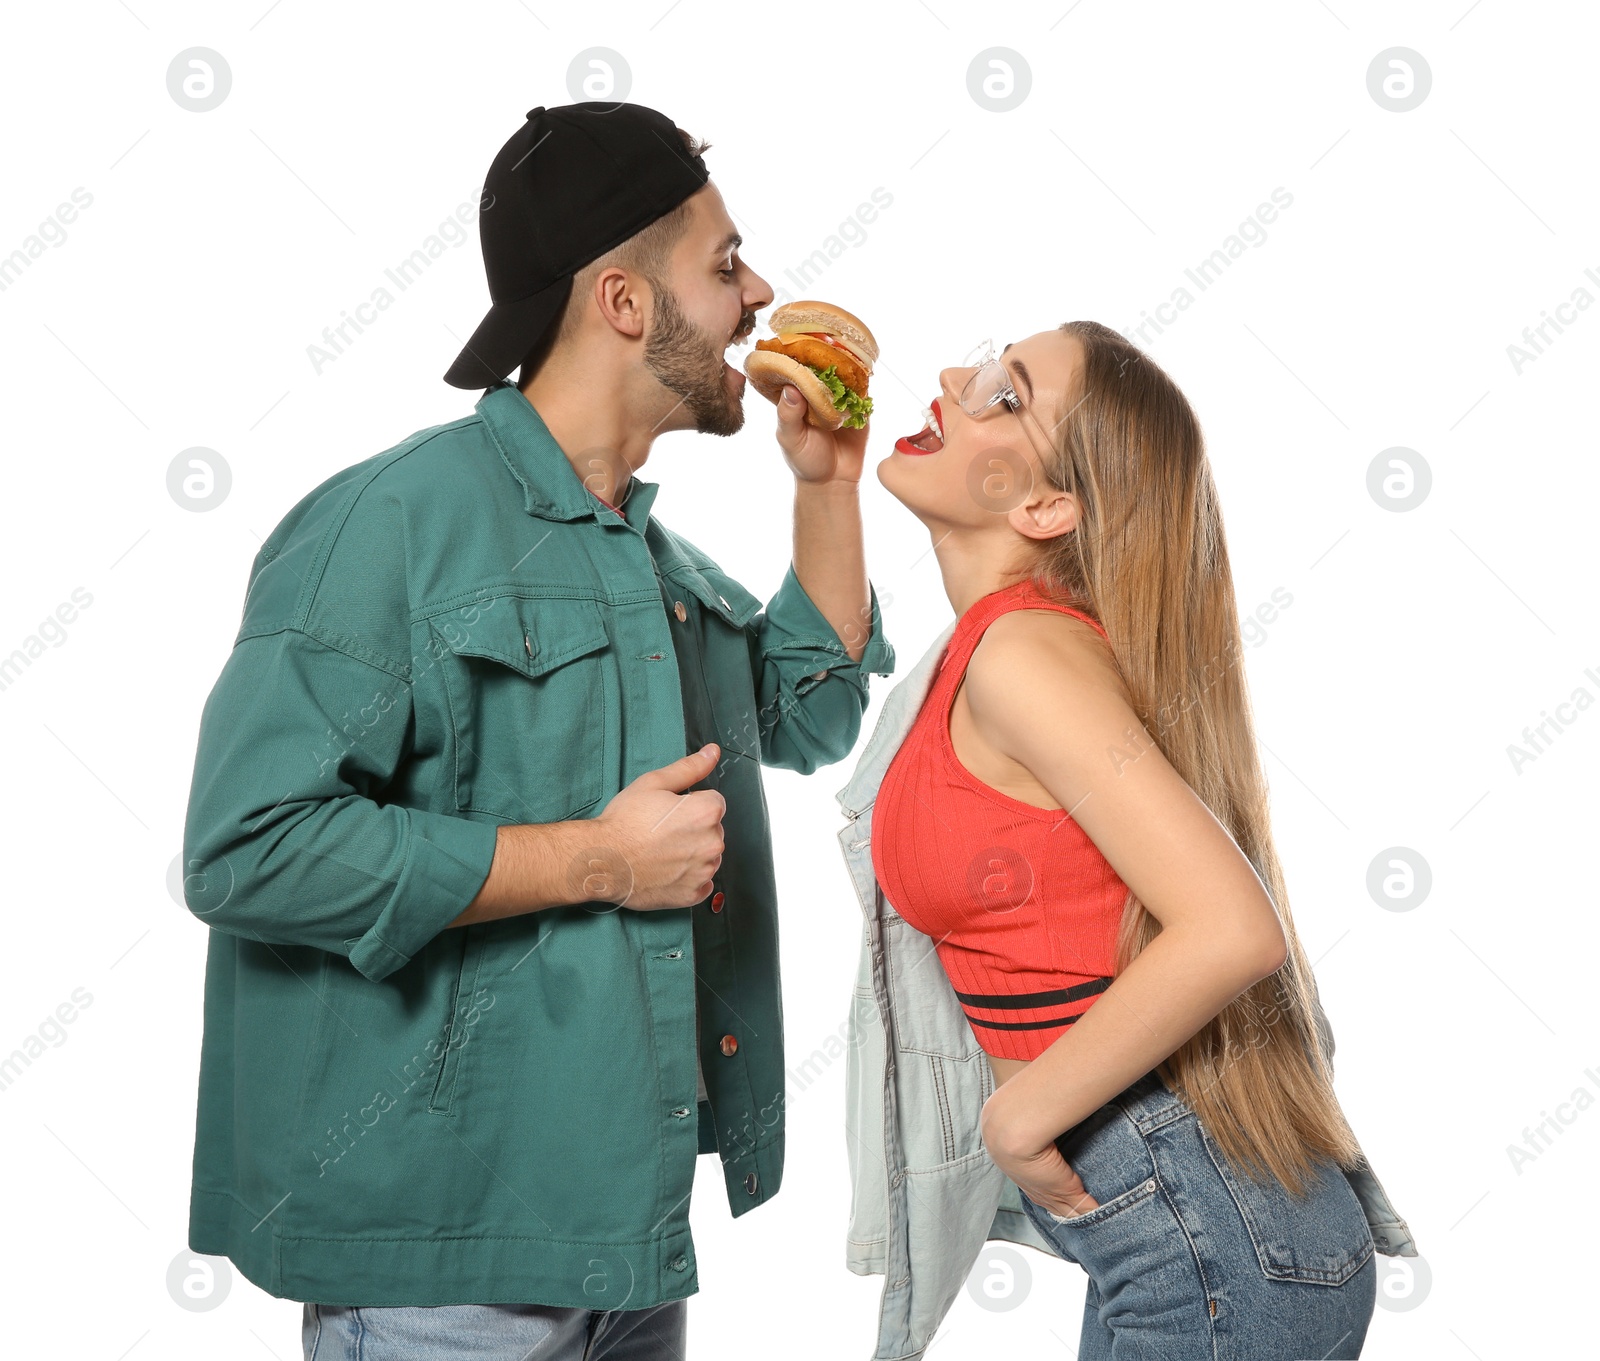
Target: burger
<point>824,352</point>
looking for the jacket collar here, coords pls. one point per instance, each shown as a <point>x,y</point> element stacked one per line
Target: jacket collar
<point>551,487</point>
<point>899,712</point>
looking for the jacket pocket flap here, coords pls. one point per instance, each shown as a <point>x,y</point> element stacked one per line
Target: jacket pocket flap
<point>532,636</point>
<point>717,591</point>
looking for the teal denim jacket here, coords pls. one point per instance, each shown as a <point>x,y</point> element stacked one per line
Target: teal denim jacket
<point>452,635</point>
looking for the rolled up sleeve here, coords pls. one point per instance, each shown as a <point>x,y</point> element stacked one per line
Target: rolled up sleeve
<point>287,838</point>
<point>812,695</point>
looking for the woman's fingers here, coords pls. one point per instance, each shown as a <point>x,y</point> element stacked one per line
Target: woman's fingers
<point>1070,1192</point>
<point>1079,1193</point>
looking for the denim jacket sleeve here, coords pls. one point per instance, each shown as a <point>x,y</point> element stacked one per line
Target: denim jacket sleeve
<point>285,840</point>
<point>297,831</point>
<point>811,695</point>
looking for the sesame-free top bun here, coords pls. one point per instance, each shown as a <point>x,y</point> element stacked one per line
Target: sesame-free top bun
<point>810,315</point>
<point>770,372</point>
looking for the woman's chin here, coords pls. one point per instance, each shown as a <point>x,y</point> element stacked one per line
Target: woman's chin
<point>886,482</point>
<point>889,478</point>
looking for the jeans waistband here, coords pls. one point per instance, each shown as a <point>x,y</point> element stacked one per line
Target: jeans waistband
<point>1144,1100</point>
<point>1142,1090</point>
<point>1150,1103</point>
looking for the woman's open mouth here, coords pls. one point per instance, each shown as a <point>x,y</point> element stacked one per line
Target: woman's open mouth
<point>928,440</point>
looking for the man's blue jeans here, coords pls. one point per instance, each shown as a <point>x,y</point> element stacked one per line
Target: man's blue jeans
<point>494,1332</point>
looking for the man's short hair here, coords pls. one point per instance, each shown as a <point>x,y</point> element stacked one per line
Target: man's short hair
<point>649,251</point>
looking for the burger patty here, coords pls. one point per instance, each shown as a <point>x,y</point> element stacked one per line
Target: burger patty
<point>818,354</point>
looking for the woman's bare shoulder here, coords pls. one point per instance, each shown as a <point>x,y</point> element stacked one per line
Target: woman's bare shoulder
<point>1043,675</point>
<point>1045,646</point>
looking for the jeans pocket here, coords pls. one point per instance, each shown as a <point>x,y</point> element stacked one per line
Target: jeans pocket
<point>1320,1238</point>
<point>1111,1159</point>
<point>1103,1211</point>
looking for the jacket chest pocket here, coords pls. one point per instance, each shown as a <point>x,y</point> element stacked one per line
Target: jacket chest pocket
<point>928,1018</point>
<point>533,707</point>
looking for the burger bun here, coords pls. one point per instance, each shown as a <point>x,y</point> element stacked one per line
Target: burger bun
<point>770,372</point>
<point>811,315</point>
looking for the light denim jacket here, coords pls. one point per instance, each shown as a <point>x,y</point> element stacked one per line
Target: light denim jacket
<point>925,1195</point>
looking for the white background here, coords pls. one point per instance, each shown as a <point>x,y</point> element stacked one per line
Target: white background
<point>1376,313</point>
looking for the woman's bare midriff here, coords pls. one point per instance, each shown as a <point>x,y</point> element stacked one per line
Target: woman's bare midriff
<point>1006,1068</point>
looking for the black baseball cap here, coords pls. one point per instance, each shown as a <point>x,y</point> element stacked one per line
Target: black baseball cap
<point>571,183</point>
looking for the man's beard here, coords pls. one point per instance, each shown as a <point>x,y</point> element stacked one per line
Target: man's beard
<point>688,361</point>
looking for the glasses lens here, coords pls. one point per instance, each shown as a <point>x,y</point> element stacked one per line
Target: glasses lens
<point>987,385</point>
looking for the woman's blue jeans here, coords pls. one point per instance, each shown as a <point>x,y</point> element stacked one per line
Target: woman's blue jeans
<point>1190,1260</point>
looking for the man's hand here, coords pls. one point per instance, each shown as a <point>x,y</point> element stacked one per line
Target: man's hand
<point>815,454</point>
<point>666,844</point>
<point>652,847</point>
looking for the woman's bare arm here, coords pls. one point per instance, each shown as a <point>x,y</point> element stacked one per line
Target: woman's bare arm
<point>1043,690</point>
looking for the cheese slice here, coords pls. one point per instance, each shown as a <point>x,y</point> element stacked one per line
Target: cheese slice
<point>837,341</point>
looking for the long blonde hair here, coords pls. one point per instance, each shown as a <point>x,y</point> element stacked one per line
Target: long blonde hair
<point>1149,560</point>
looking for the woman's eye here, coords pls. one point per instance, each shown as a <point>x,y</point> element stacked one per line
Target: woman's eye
<point>726,273</point>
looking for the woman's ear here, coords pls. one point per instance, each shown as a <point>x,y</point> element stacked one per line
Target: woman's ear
<point>1047,514</point>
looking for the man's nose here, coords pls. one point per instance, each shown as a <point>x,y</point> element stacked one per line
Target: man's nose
<point>757,291</point>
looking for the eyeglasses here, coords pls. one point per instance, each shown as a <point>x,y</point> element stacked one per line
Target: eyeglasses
<point>991,383</point>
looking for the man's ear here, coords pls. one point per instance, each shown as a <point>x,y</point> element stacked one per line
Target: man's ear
<point>622,299</point>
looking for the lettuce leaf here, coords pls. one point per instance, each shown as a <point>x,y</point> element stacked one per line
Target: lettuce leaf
<point>856,407</point>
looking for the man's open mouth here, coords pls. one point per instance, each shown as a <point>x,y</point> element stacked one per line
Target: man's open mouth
<point>737,338</point>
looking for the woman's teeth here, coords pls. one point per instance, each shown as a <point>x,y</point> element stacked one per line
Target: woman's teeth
<point>929,439</point>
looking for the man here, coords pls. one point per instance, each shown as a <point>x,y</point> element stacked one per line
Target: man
<point>492,959</point>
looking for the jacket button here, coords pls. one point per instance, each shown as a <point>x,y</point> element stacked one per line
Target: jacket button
<point>821,675</point>
<point>750,1183</point>
<point>716,901</point>
<point>729,1044</point>
<point>677,609</point>
<point>680,1263</point>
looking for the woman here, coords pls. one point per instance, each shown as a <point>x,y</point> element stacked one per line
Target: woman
<point>1077,819</point>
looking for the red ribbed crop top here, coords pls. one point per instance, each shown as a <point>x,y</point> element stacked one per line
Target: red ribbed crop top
<point>1022,907</point>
